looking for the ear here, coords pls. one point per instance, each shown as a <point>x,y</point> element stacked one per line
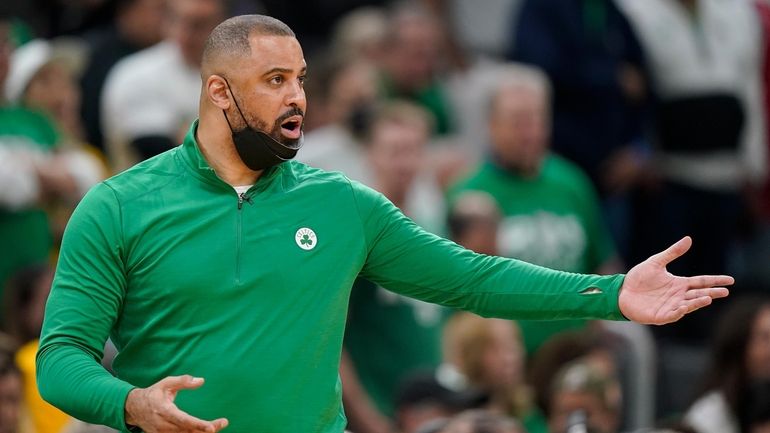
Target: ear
<point>217,91</point>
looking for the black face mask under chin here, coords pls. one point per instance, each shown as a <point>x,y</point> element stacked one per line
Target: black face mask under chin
<point>257,149</point>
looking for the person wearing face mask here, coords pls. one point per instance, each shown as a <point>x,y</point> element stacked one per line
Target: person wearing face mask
<point>221,260</point>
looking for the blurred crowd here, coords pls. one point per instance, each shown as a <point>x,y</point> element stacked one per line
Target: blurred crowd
<point>582,135</point>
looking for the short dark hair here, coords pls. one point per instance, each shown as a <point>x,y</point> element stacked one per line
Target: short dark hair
<point>231,37</point>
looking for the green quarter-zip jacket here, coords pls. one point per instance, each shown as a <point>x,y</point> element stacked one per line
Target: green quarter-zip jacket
<point>250,292</point>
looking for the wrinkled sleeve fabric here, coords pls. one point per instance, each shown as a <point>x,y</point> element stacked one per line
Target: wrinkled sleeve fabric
<point>83,306</point>
<point>410,261</point>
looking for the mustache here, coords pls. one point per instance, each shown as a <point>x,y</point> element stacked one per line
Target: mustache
<point>295,111</point>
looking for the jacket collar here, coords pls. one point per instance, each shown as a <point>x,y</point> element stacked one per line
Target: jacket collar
<point>191,153</point>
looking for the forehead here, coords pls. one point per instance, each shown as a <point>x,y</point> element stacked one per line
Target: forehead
<point>270,52</point>
<point>517,98</point>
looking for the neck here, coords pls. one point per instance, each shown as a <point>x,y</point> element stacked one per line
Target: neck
<point>217,147</point>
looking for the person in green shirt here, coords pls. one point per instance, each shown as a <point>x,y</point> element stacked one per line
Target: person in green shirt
<point>551,214</point>
<point>388,336</point>
<point>221,260</point>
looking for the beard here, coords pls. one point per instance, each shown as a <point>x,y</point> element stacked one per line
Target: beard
<point>275,131</point>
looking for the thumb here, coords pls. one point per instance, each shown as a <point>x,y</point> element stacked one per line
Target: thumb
<point>673,252</point>
<point>176,383</point>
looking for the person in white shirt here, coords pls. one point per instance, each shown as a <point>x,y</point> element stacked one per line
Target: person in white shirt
<point>138,123</point>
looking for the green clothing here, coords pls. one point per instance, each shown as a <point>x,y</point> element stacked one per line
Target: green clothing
<point>388,336</point>
<point>25,235</point>
<point>552,220</point>
<point>251,293</point>
<point>432,98</point>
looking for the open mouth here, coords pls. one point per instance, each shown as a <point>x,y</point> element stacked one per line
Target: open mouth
<point>292,127</point>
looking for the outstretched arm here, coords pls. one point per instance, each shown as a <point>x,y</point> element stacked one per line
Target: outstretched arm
<point>652,295</point>
<point>406,259</point>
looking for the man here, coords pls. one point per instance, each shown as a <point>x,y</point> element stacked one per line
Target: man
<point>411,61</point>
<point>137,25</point>
<point>593,59</point>
<point>249,290</point>
<point>387,335</point>
<point>140,124</point>
<point>551,212</point>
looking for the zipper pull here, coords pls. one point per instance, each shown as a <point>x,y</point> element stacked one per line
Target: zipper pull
<point>243,197</point>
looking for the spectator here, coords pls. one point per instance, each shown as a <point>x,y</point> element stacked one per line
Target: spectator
<point>411,61</point>
<point>473,222</point>
<point>137,25</point>
<point>550,211</point>
<point>38,166</point>
<point>24,305</point>
<point>138,125</point>
<point>42,79</point>
<point>10,394</point>
<point>344,90</point>
<point>749,259</point>
<point>488,354</point>
<point>382,323</point>
<point>708,129</point>
<point>361,33</point>
<point>708,135</point>
<point>422,400</point>
<point>585,398</point>
<point>740,358</point>
<point>593,59</point>
<point>591,345</point>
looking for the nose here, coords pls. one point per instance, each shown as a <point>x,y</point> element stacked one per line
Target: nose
<point>296,95</point>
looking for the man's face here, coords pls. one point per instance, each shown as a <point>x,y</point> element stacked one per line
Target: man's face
<point>54,91</point>
<point>396,151</point>
<point>518,128</point>
<point>143,20</point>
<point>188,24</point>
<point>269,88</point>
<point>414,53</point>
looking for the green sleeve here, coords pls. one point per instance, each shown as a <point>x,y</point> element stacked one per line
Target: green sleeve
<point>84,303</point>
<point>410,261</point>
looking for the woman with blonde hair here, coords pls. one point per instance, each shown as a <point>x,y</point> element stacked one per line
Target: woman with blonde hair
<point>487,354</point>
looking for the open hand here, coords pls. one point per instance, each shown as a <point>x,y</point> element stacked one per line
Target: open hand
<point>153,409</point>
<point>652,295</point>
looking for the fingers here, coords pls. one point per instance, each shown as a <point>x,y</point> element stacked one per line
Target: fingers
<point>706,281</point>
<point>220,423</point>
<point>180,419</point>
<point>711,292</point>
<point>697,303</point>
<point>688,307</point>
<point>175,383</point>
<point>673,252</point>
<point>185,421</point>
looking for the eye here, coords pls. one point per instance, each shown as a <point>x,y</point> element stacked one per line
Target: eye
<point>276,80</point>
<point>302,79</point>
